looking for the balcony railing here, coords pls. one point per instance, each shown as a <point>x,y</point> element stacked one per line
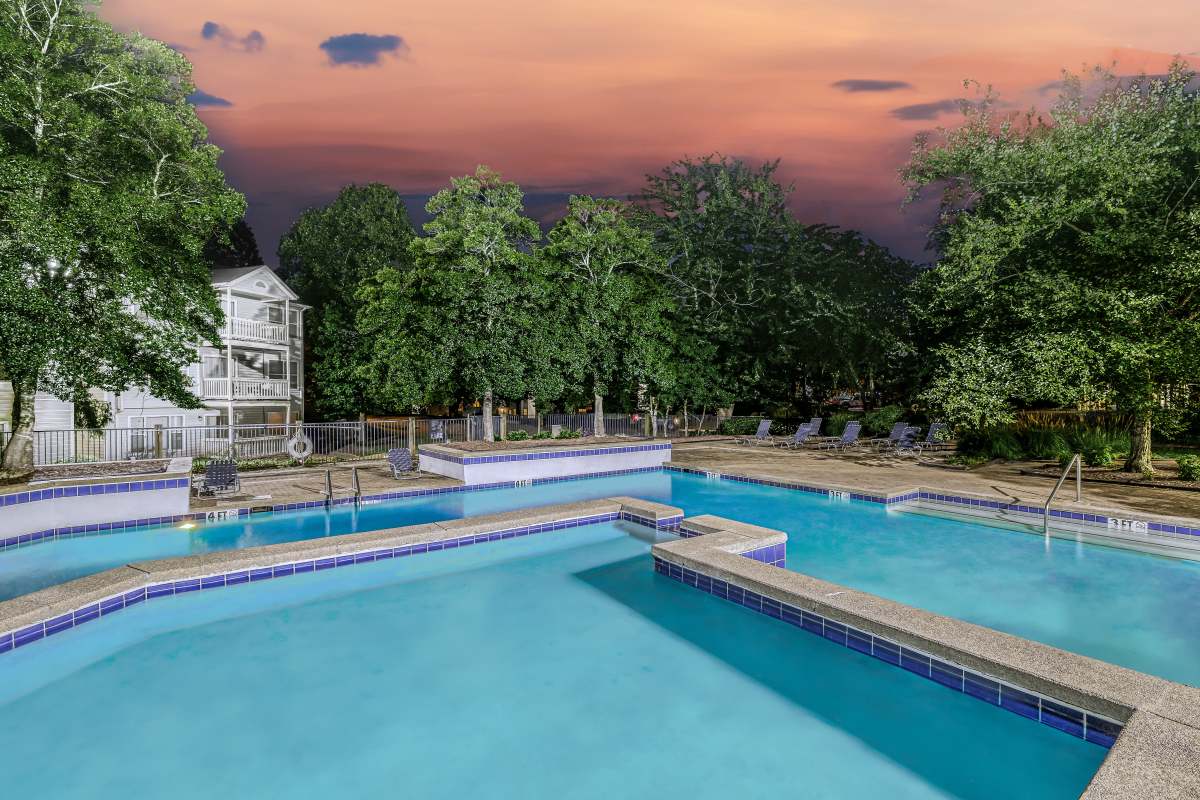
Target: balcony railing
<point>252,330</point>
<point>244,389</point>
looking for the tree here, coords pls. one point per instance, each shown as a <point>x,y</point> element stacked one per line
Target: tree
<point>235,246</point>
<point>108,193</point>
<point>724,233</point>
<point>1070,251</point>
<point>604,273</point>
<point>327,256</point>
<point>470,320</point>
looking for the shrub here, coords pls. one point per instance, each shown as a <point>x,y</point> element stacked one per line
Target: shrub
<point>516,436</point>
<point>739,426</point>
<point>567,433</point>
<point>880,421</point>
<point>542,435</point>
<point>989,443</point>
<point>1189,468</point>
<point>1098,447</point>
<point>1044,443</point>
<point>836,424</point>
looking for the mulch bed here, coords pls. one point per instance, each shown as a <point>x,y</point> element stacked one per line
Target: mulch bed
<point>530,444</point>
<point>1166,477</point>
<point>111,469</point>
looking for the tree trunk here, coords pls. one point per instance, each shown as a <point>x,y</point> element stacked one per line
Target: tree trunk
<point>1139,445</point>
<point>598,414</point>
<point>489,435</point>
<point>16,465</point>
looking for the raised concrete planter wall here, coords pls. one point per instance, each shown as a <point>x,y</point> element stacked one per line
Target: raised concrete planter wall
<point>94,504</point>
<point>495,466</point>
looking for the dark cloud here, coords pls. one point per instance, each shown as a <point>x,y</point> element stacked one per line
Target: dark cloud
<point>252,42</point>
<point>362,49</point>
<point>869,85</point>
<point>201,99</point>
<point>927,111</point>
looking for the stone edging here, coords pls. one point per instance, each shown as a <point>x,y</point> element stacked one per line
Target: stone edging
<point>456,456</point>
<point>1082,696</point>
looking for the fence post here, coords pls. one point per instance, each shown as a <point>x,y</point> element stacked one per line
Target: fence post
<point>503,427</point>
<point>539,424</point>
<point>412,435</point>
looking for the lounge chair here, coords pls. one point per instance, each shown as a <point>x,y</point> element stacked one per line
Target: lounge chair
<point>220,475</point>
<point>797,439</point>
<point>847,440</point>
<point>884,442</point>
<point>814,426</point>
<point>907,444</point>
<point>401,463</point>
<point>761,436</point>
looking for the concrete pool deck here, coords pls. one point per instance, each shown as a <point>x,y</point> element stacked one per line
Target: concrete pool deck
<point>1155,755</point>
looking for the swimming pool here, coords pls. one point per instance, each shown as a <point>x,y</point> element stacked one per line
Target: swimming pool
<point>1048,591</point>
<point>548,666</point>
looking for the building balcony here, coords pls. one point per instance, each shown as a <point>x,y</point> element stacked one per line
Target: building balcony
<point>253,330</point>
<point>244,389</point>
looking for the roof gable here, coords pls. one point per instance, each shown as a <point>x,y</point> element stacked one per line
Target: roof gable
<point>254,280</point>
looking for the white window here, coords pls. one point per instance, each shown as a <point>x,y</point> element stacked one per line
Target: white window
<point>295,374</point>
<point>275,314</point>
<point>294,324</point>
<point>214,366</point>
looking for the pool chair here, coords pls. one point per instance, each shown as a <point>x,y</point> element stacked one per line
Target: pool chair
<point>220,475</point>
<point>401,463</point>
<point>814,426</point>
<point>848,439</point>
<point>885,442</point>
<point>761,436</point>
<point>907,444</point>
<point>803,433</point>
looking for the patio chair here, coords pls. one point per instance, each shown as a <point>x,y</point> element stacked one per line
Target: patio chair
<point>797,439</point>
<point>907,444</point>
<point>847,440</point>
<point>814,426</point>
<point>884,442</point>
<point>401,463</point>
<point>761,436</point>
<point>220,475</point>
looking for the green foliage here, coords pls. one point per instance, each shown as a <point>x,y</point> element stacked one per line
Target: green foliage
<point>327,256</point>
<point>739,426</point>
<point>1098,447</point>
<point>1045,443</point>
<point>1189,468</point>
<point>469,318</point>
<point>542,435</point>
<point>836,424</point>
<point>615,315</point>
<point>569,433</point>
<point>1070,252</point>
<point>988,443</point>
<point>880,421</point>
<point>744,272</point>
<point>517,436</point>
<point>110,192</point>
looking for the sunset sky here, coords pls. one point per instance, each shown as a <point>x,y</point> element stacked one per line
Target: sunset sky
<point>567,97</point>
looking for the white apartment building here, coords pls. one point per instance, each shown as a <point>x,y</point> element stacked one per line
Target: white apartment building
<point>254,377</point>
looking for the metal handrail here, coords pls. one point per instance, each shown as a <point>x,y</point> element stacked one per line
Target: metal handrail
<point>357,487</point>
<point>1077,463</point>
<point>328,489</point>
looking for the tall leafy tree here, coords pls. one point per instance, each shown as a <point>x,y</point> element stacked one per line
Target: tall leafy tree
<point>235,246</point>
<point>605,275</point>
<point>469,320</point>
<point>327,256</point>
<point>1070,252</point>
<point>724,232</point>
<point>108,193</point>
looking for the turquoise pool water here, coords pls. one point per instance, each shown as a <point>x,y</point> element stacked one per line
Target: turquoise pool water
<point>1129,608</point>
<point>551,666</point>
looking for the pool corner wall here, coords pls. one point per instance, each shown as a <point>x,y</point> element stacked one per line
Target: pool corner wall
<point>529,464</point>
<point>94,504</point>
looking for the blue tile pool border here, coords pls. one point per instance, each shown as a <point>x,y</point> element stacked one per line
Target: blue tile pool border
<point>12,640</point>
<point>539,455</point>
<point>914,496</point>
<point>1069,719</point>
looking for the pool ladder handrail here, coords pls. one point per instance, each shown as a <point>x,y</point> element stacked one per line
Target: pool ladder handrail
<point>1077,463</point>
<point>328,489</point>
<point>357,488</point>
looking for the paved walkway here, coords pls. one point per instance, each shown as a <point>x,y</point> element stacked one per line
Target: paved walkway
<point>881,473</point>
